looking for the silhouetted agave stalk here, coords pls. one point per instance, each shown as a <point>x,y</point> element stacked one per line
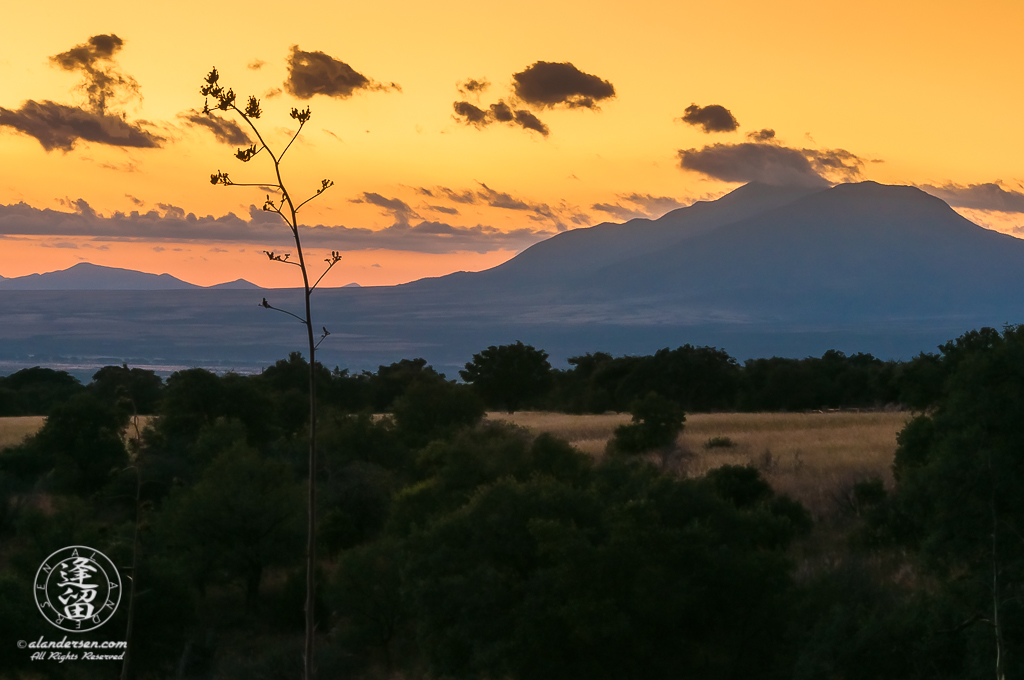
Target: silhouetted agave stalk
<point>285,206</point>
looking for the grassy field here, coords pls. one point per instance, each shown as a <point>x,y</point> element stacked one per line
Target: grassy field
<point>14,430</point>
<point>814,457</point>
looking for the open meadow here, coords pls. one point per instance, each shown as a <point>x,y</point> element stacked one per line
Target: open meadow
<point>814,457</point>
<point>14,430</point>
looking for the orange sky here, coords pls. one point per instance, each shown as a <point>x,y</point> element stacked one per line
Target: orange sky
<point>912,93</point>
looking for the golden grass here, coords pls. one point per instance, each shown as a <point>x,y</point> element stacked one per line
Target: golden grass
<point>14,430</point>
<point>813,457</point>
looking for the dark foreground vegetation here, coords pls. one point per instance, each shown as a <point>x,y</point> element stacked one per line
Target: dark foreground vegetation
<point>452,548</point>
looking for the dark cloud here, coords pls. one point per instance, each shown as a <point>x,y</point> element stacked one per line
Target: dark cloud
<point>835,164</point>
<point>225,130</point>
<point>619,211</point>
<point>57,126</point>
<point>644,205</point>
<point>771,164</point>
<point>713,118</point>
<point>472,86</point>
<point>987,196</point>
<point>763,135</point>
<point>261,228</point>
<point>501,199</point>
<point>538,212</point>
<point>312,73</point>
<point>542,85</point>
<point>444,209</point>
<point>256,64</point>
<point>466,197</point>
<point>473,115</point>
<point>102,80</point>
<point>502,112</point>
<point>138,202</point>
<point>485,195</point>
<point>528,121</point>
<point>653,205</point>
<point>548,84</point>
<point>397,208</point>
<point>498,113</point>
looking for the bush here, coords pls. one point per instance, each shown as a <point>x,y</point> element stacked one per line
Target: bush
<point>656,424</point>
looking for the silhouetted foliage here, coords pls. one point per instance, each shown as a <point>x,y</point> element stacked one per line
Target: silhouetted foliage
<point>835,380</point>
<point>508,377</point>
<point>135,389</point>
<point>80,447</point>
<point>436,409</point>
<point>657,422</point>
<point>959,497</point>
<point>391,382</point>
<point>35,391</point>
<point>240,517</point>
<point>636,561</point>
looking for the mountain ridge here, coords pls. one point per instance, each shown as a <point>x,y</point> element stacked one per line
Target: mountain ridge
<point>88,276</point>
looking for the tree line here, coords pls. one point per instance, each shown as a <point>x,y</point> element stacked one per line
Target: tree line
<point>517,376</point>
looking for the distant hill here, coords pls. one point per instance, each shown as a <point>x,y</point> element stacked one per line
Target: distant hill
<point>237,284</point>
<point>86,276</point>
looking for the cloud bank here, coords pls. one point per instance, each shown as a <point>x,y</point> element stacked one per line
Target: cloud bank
<point>263,228</point>
<point>987,196</point>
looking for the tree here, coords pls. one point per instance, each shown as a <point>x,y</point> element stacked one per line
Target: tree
<point>657,422</point>
<point>115,384</point>
<point>508,376</point>
<point>287,208</point>
<point>35,391</point>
